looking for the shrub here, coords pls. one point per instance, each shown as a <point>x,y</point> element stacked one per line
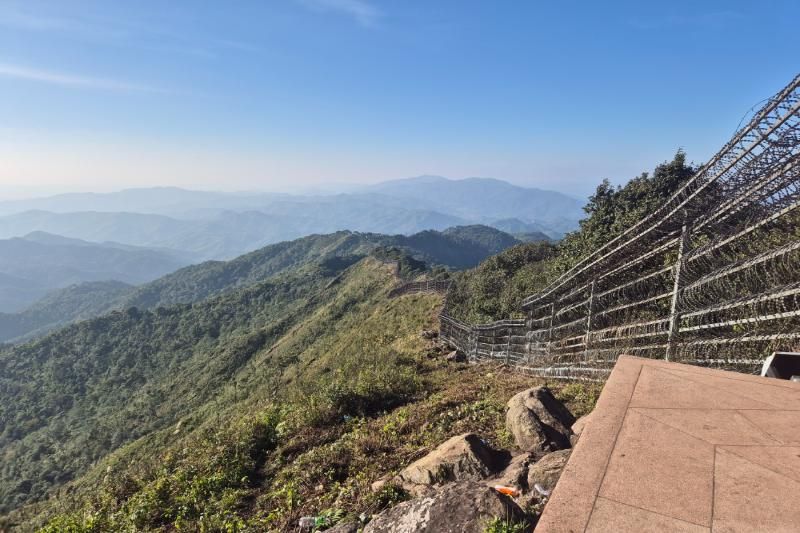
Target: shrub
<point>372,390</point>
<point>504,525</point>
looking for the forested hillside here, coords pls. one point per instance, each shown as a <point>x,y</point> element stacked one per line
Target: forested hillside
<point>272,419</point>
<point>76,302</point>
<point>45,262</point>
<point>74,396</point>
<point>459,247</point>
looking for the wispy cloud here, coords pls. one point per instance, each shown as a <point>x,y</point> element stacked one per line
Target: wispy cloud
<point>18,19</point>
<point>22,72</point>
<point>362,11</point>
<point>97,27</point>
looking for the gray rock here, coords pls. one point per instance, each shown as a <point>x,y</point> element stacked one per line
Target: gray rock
<point>461,458</point>
<point>306,523</point>
<point>464,507</point>
<point>456,357</point>
<point>515,474</point>
<point>547,470</point>
<point>344,527</point>
<point>542,478</point>
<point>538,421</point>
<point>378,484</point>
<point>578,427</point>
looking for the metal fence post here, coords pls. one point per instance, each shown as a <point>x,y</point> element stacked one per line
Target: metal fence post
<point>674,313</point>
<point>550,330</point>
<point>588,320</point>
<point>508,345</point>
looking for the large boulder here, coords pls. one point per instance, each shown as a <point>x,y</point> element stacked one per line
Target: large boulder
<point>538,421</point>
<point>546,471</point>
<point>461,458</point>
<point>465,507</point>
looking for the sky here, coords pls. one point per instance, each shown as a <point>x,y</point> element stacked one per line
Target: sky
<point>295,94</point>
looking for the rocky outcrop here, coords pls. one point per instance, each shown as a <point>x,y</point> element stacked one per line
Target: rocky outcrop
<point>464,483</point>
<point>464,507</point>
<point>465,457</point>
<point>538,421</point>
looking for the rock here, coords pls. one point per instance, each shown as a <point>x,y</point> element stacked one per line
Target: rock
<point>547,470</point>
<point>455,357</point>
<point>429,334</point>
<point>538,421</point>
<point>378,484</point>
<point>344,527</point>
<point>580,424</point>
<point>306,523</point>
<point>464,507</point>
<point>515,474</point>
<point>461,458</point>
<point>543,475</point>
<point>578,427</point>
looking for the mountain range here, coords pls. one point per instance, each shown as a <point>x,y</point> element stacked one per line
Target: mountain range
<point>489,201</point>
<point>214,225</point>
<point>32,265</point>
<point>454,248</point>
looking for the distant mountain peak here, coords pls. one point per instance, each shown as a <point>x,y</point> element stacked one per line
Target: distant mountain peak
<point>44,237</point>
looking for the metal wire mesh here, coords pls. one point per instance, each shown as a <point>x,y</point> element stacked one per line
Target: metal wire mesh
<point>711,277</point>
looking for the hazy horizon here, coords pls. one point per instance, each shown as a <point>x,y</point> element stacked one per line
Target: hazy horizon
<point>98,96</point>
<point>298,190</point>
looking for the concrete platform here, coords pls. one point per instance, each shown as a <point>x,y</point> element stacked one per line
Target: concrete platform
<point>673,447</point>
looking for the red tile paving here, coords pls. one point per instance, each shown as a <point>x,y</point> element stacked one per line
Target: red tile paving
<point>673,447</point>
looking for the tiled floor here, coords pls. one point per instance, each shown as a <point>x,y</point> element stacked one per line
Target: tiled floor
<point>673,447</point>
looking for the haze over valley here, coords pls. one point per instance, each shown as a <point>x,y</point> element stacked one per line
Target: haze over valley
<point>223,225</point>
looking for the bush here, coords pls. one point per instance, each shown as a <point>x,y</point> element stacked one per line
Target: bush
<point>373,390</point>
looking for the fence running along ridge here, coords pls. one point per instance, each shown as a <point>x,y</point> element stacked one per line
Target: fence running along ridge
<point>711,277</point>
<point>415,287</point>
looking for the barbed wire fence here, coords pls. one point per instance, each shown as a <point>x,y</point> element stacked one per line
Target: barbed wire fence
<point>712,277</point>
<point>415,287</point>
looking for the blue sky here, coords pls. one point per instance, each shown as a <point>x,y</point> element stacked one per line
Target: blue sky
<point>99,95</point>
